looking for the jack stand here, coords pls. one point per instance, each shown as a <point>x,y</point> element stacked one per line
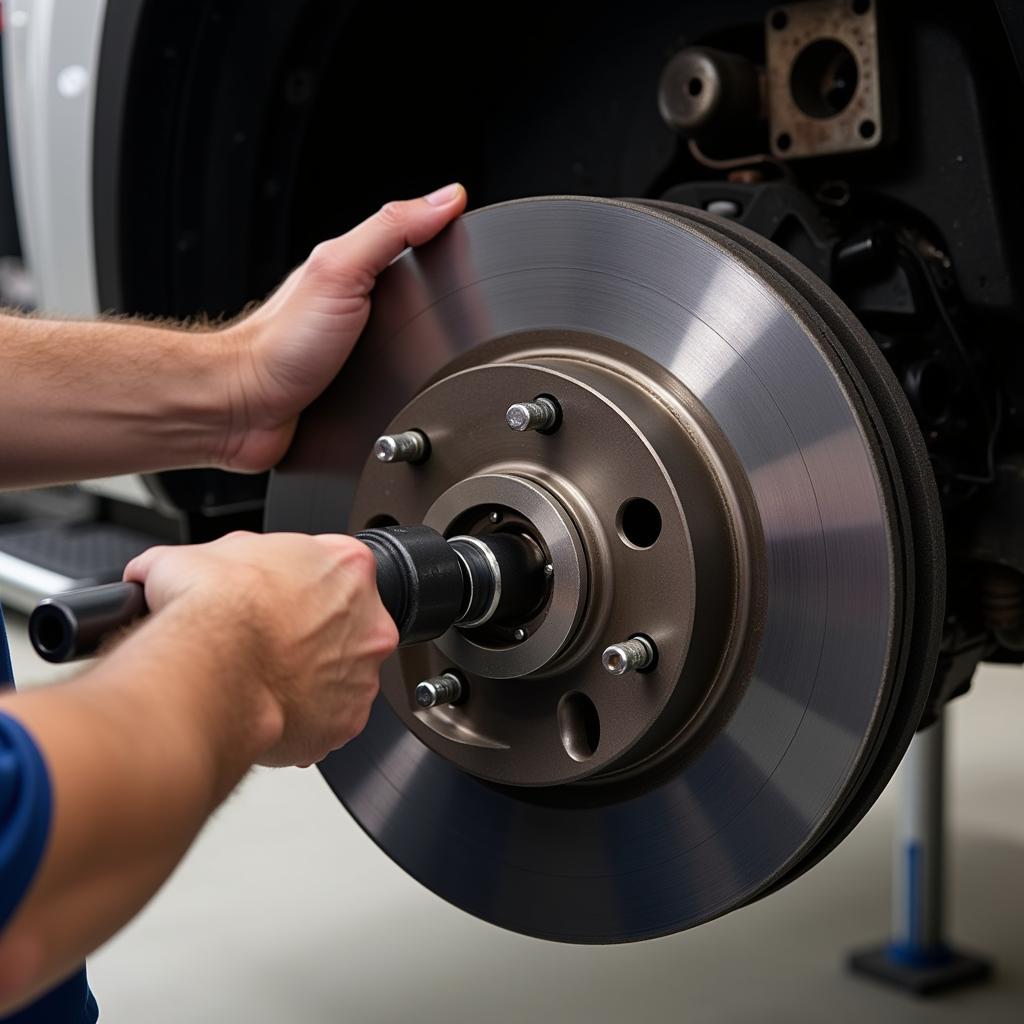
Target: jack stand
<point>917,958</point>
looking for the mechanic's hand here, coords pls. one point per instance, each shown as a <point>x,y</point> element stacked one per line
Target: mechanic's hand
<point>297,616</point>
<point>292,347</point>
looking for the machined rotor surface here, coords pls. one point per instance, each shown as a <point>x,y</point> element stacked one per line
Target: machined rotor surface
<point>710,817</point>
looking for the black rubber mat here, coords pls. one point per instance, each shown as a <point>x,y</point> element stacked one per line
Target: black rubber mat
<point>85,551</point>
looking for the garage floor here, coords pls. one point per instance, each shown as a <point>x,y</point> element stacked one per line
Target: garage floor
<point>285,912</point>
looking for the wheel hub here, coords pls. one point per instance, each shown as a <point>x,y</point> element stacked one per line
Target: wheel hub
<point>612,500</point>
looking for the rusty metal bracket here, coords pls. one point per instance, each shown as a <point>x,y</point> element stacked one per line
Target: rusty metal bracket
<point>824,90</point>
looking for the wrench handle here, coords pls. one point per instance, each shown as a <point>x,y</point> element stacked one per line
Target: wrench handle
<point>74,624</point>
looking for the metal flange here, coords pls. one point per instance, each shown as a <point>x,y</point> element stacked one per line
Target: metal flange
<point>610,500</point>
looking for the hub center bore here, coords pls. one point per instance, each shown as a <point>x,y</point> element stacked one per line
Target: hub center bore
<point>517,648</point>
<point>610,490</point>
<point>504,576</point>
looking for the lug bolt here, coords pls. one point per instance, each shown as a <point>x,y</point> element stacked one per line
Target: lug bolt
<point>495,517</point>
<point>443,689</point>
<point>520,635</point>
<point>540,414</point>
<point>549,570</point>
<point>409,446</point>
<point>633,655</point>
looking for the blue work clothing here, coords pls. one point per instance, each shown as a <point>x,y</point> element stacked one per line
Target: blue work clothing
<point>26,808</point>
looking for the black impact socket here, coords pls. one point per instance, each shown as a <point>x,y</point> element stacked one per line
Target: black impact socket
<point>420,578</point>
<point>74,624</point>
<point>423,583</point>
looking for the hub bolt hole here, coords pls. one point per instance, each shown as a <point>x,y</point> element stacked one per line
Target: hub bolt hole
<point>639,522</point>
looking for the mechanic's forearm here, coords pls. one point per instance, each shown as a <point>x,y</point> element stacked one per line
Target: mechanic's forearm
<point>88,399</point>
<point>140,750</point>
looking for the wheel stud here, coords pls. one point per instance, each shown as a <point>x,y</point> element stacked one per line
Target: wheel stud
<point>540,414</point>
<point>443,689</point>
<point>409,446</point>
<point>633,655</point>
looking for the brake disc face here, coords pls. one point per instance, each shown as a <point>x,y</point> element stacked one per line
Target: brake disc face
<point>720,483</point>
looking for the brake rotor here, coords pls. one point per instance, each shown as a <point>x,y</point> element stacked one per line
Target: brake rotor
<point>735,478</point>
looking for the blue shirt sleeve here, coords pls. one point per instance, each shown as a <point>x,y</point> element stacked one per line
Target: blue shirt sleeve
<point>25,809</point>
<point>6,668</point>
<point>25,806</point>
<point>69,1003</point>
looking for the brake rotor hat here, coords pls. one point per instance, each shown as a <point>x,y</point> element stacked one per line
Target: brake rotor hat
<point>764,736</point>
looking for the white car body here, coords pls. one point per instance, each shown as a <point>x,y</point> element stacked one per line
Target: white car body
<point>51,57</point>
<point>51,53</point>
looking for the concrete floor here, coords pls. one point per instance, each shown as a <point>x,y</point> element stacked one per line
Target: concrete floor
<point>285,912</point>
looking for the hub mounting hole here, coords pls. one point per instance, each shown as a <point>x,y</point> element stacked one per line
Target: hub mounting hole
<point>639,522</point>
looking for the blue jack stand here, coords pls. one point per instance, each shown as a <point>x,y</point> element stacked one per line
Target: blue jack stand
<point>917,958</point>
